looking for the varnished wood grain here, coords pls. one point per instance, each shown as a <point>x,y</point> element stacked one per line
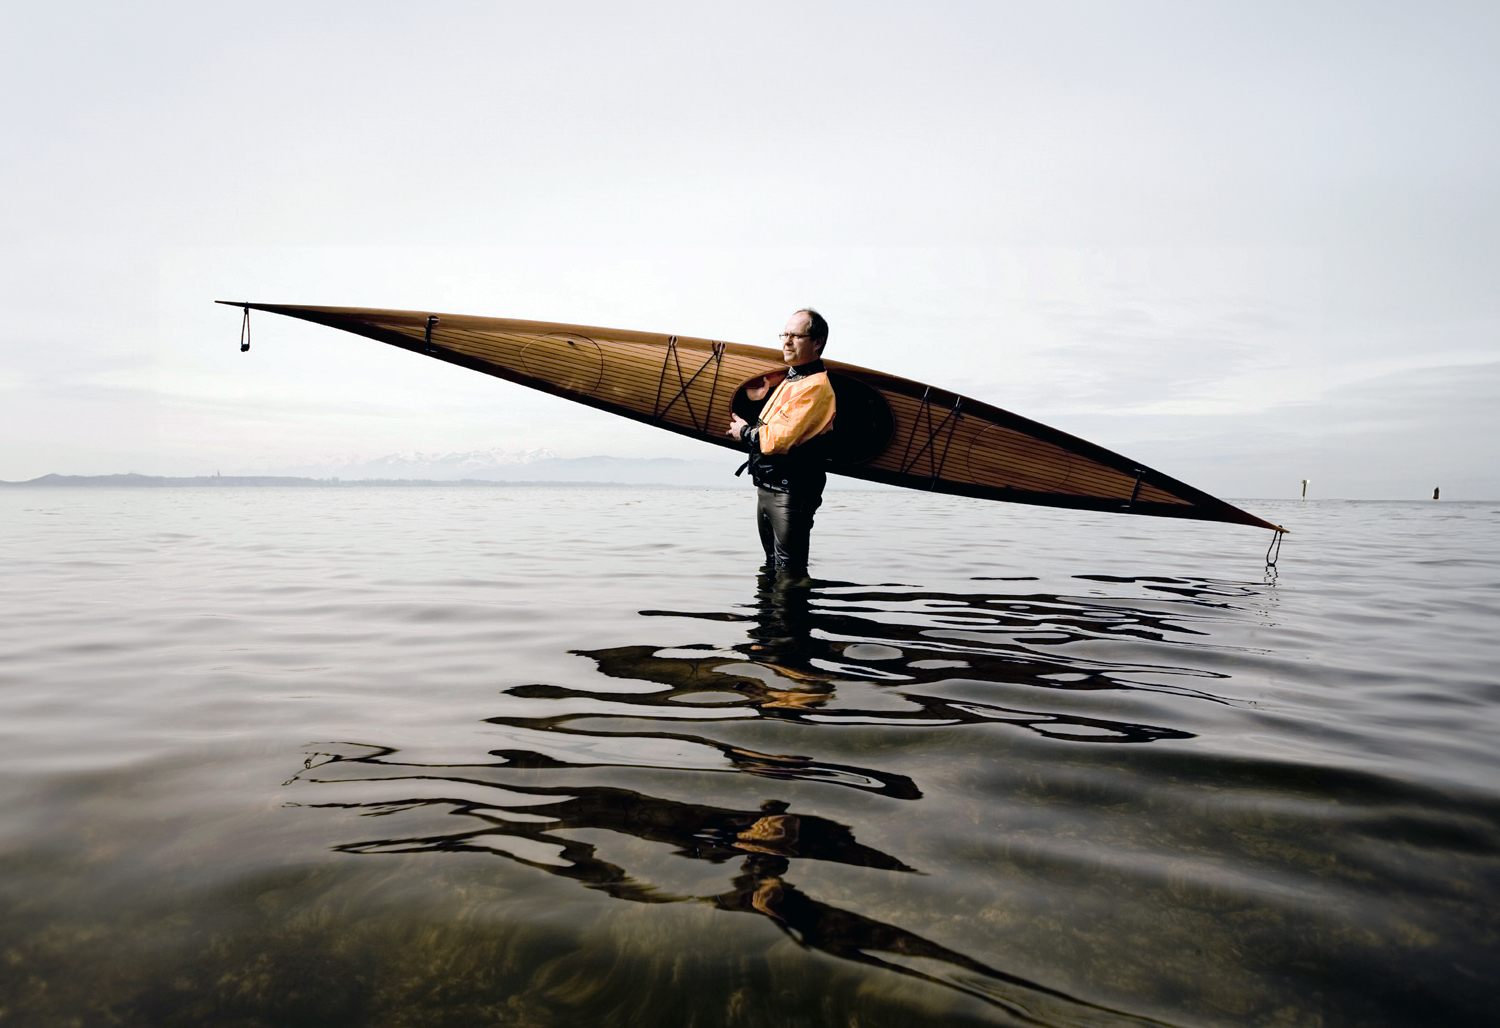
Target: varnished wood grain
<point>941,441</point>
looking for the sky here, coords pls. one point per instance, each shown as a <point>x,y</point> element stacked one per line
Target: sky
<point>1243,243</point>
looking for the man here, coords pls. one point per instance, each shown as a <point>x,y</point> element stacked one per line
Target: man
<point>786,462</point>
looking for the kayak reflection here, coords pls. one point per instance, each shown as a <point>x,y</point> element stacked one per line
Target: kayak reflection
<point>513,813</point>
<point>762,888</point>
<point>796,653</point>
<point>521,822</point>
<point>858,630</point>
<point>829,669</point>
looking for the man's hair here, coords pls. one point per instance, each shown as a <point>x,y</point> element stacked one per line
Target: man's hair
<point>817,328</point>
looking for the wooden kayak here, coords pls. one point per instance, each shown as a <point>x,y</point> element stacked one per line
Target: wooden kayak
<point>887,429</point>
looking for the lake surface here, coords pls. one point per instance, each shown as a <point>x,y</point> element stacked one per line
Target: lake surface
<point>557,757</point>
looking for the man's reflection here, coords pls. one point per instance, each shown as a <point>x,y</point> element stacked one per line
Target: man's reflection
<point>767,842</point>
<point>797,630</point>
<point>1014,639</point>
<point>781,639</point>
<point>762,888</point>
<point>775,833</point>
<point>798,641</point>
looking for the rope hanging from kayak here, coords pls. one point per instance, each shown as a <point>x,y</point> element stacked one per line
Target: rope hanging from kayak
<point>245,330</point>
<point>1275,545</point>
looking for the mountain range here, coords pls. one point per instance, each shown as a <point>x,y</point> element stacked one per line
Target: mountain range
<point>472,466</point>
<point>514,466</point>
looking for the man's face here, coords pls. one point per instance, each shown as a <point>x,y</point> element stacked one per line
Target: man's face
<point>797,346</point>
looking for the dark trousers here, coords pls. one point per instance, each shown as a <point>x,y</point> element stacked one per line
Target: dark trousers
<point>785,521</point>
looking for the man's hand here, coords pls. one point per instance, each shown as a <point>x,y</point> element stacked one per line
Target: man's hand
<point>737,426</point>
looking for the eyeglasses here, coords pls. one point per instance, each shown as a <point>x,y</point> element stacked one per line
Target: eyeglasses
<point>787,337</point>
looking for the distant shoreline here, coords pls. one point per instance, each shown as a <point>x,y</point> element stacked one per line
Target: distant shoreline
<point>239,481</point>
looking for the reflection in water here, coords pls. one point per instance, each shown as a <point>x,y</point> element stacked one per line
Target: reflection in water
<point>532,813</point>
<point>804,642</point>
<point>762,809</point>
<point>761,888</point>
<point>767,840</point>
<point>995,635</point>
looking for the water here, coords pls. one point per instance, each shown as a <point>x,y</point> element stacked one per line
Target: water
<point>555,756</point>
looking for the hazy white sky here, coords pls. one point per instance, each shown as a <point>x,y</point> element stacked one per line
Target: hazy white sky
<point>1245,243</point>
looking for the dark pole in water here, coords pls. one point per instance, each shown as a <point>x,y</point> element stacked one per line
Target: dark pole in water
<point>1304,488</point>
<point>1434,492</point>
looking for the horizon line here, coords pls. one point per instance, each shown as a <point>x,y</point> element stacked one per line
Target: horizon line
<point>136,479</point>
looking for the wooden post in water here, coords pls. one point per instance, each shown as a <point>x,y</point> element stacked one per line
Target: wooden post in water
<point>1304,488</point>
<point>1434,492</point>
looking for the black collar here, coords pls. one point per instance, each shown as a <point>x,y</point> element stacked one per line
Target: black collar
<point>812,367</point>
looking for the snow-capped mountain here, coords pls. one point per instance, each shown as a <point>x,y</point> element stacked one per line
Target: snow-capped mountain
<point>494,463</point>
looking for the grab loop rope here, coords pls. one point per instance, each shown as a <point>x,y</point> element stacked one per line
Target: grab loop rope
<point>245,330</point>
<point>1275,545</point>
